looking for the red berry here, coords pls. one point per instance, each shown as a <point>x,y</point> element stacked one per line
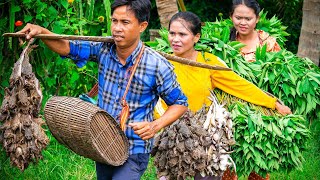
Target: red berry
<point>18,23</point>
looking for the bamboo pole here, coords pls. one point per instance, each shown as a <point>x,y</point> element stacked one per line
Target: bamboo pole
<point>192,63</point>
<point>182,6</point>
<point>66,37</point>
<point>110,39</point>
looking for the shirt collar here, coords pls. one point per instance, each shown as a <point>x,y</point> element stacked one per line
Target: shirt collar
<point>131,58</point>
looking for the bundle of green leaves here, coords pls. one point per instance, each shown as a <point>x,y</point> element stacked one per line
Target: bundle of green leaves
<point>268,142</point>
<point>296,81</point>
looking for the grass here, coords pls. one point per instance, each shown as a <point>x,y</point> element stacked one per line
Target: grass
<point>311,166</point>
<point>59,163</point>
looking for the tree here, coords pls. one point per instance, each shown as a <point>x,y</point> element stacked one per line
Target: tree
<point>166,9</point>
<point>309,41</point>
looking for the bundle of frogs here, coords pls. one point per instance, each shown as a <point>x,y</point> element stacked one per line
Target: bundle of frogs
<point>21,132</point>
<point>196,143</point>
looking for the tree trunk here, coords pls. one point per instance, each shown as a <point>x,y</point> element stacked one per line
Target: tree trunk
<point>166,9</point>
<point>309,41</point>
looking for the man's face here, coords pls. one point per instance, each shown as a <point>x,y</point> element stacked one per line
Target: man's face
<point>125,27</point>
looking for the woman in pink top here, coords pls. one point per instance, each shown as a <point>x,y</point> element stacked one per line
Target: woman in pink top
<point>245,16</point>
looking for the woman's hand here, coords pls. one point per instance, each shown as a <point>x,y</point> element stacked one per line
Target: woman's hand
<point>283,109</point>
<point>145,130</point>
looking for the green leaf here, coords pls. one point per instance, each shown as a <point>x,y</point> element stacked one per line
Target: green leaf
<point>57,27</point>
<point>5,83</point>
<point>286,89</point>
<point>305,85</point>
<point>27,18</point>
<point>288,138</point>
<point>64,3</point>
<point>269,127</point>
<point>225,34</point>
<point>15,9</point>
<point>276,129</point>
<point>251,126</point>
<point>39,17</point>
<point>249,155</point>
<point>74,77</point>
<point>236,44</point>
<point>50,82</point>
<point>151,44</point>
<point>52,12</point>
<point>315,77</point>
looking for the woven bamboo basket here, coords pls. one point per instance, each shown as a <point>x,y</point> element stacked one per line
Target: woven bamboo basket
<point>86,129</point>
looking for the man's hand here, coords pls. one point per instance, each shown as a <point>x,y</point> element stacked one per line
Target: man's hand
<point>31,30</point>
<point>60,46</point>
<point>145,130</point>
<point>283,109</point>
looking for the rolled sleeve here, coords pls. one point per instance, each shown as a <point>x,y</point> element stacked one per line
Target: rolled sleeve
<point>168,87</point>
<point>83,51</point>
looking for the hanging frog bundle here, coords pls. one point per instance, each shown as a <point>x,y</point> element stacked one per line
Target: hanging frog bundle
<point>21,133</point>
<point>196,143</point>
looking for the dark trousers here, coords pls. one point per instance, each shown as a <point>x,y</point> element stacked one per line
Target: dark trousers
<point>132,169</point>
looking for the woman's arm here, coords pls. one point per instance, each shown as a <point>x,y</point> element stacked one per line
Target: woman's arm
<point>233,84</point>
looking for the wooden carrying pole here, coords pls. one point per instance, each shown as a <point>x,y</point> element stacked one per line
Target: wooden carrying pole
<point>110,39</point>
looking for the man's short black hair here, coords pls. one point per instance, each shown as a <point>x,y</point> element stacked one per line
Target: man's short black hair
<point>141,8</point>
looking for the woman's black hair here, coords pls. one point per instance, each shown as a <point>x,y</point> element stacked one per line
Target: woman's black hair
<point>141,8</point>
<point>252,4</point>
<point>193,21</point>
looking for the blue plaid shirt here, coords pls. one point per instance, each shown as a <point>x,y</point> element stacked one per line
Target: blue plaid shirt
<point>154,78</point>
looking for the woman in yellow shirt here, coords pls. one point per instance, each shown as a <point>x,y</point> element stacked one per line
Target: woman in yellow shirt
<point>184,33</point>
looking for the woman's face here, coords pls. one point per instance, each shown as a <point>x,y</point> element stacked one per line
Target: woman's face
<point>244,19</point>
<point>181,38</point>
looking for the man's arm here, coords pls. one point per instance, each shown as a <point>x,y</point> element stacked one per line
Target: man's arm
<point>147,130</point>
<point>170,91</point>
<point>59,46</point>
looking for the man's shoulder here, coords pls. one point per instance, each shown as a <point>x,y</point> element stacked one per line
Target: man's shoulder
<point>106,45</point>
<point>156,58</point>
<point>154,54</point>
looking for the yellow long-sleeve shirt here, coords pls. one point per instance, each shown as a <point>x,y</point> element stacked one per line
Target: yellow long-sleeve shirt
<point>196,83</point>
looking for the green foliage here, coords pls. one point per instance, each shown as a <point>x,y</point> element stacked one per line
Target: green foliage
<point>268,143</point>
<point>274,27</point>
<point>290,13</point>
<point>57,76</point>
<point>296,81</point>
<point>58,163</point>
<point>311,155</point>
